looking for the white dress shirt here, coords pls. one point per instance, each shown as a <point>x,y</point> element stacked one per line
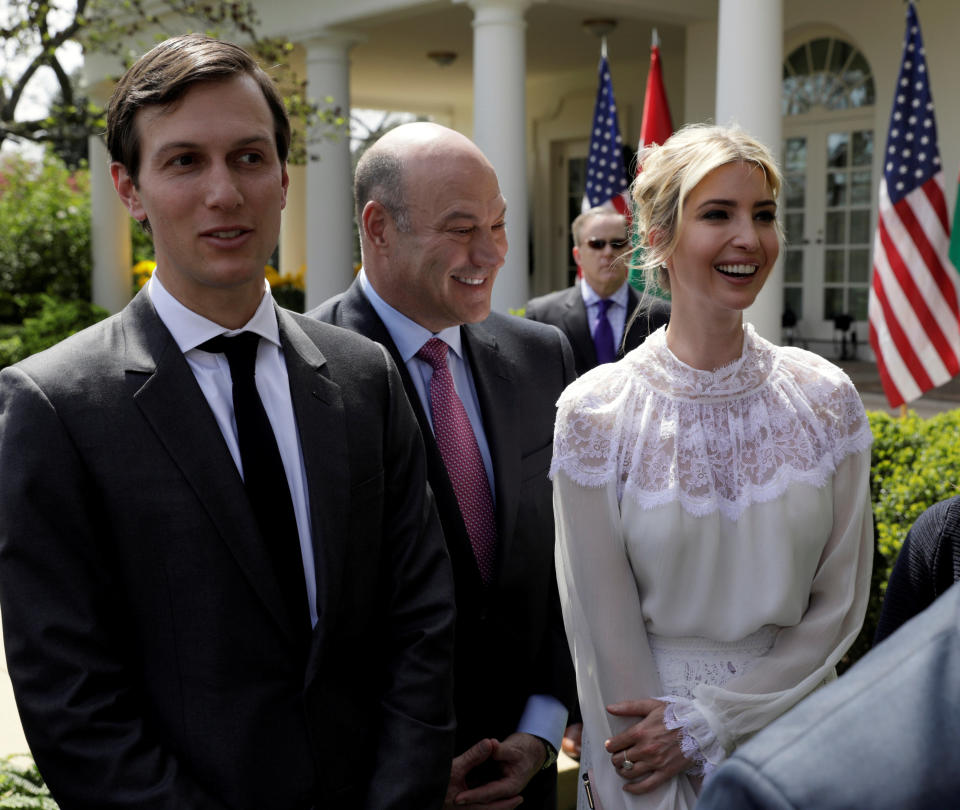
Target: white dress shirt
<point>212,372</point>
<point>544,716</point>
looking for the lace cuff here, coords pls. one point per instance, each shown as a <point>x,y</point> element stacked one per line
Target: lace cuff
<point>698,742</point>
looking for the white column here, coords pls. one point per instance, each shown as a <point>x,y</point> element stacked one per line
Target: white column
<point>749,68</point>
<point>329,198</point>
<point>293,226</point>
<point>500,129</point>
<point>112,279</point>
<point>112,282</point>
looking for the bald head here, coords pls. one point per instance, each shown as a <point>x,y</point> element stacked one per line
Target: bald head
<point>403,159</point>
<point>432,224</point>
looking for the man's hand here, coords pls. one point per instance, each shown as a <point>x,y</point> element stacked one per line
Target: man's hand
<point>572,741</point>
<point>518,759</point>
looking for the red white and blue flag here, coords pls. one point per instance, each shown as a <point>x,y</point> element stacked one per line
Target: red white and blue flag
<point>913,304</point>
<point>607,183</point>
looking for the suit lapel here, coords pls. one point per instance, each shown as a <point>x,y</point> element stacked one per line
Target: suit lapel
<point>637,331</point>
<point>319,412</point>
<point>357,314</point>
<point>577,328</point>
<point>166,390</point>
<point>493,377</point>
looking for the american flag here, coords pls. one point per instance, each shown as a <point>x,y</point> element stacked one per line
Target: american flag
<point>913,304</point>
<point>606,177</point>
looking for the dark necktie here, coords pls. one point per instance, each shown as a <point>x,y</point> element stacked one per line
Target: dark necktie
<point>461,456</point>
<point>603,334</point>
<point>263,476</point>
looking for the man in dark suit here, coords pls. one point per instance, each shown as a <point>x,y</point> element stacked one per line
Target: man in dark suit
<point>884,735</point>
<point>483,387</point>
<point>174,640</point>
<point>595,311</point>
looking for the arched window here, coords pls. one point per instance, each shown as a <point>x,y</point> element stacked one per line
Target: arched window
<point>828,199</point>
<point>826,72</point>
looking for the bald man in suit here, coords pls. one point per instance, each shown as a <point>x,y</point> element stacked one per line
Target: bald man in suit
<point>433,237</point>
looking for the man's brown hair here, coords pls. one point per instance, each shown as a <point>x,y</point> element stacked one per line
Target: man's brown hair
<point>163,75</point>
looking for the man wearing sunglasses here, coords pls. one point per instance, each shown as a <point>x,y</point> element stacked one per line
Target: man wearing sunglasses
<point>594,312</point>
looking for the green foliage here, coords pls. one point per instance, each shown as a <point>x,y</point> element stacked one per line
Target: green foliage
<point>54,320</point>
<point>44,229</point>
<point>915,463</point>
<point>21,785</point>
<point>36,31</point>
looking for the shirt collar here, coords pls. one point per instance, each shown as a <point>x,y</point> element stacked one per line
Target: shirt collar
<point>190,329</point>
<point>590,297</point>
<point>407,334</point>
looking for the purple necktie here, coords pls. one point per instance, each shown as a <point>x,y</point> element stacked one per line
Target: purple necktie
<point>603,334</point>
<point>461,455</point>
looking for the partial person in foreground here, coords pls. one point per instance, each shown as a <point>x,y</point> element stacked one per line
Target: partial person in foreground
<point>222,576</point>
<point>601,315</point>
<point>484,388</point>
<point>711,495</point>
<point>927,566</point>
<point>884,736</point>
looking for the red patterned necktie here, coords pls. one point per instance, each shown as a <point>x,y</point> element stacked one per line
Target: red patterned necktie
<point>461,455</point>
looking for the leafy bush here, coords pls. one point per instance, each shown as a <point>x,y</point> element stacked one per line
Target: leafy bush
<point>44,228</point>
<point>54,320</point>
<point>915,463</point>
<point>21,785</point>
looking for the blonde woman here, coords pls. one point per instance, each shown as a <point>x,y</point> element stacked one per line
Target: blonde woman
<point>711,494</point>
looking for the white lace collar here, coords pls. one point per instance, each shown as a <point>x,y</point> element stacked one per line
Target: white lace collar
<point>712,440</point>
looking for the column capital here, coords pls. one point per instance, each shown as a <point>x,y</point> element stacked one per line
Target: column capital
<point>329,40</point>
<point>498,11</point>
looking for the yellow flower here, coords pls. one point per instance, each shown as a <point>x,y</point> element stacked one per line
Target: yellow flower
<point>142,272</point>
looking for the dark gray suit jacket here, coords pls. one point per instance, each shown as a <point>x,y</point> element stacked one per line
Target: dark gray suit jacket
<point>144,629</point>
<point>510,639</point>
<point>565,310</point>
<point>884,736</point>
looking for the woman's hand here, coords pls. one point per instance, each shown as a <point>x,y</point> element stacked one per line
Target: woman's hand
<point>652,750</point>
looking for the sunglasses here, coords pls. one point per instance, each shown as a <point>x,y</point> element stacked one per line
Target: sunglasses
<point>599,244</point>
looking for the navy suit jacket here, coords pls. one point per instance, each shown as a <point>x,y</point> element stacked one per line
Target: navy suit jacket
<point>565,310</point>
<point>884,736</point>
<point>145,634</point>
<point>510,639</point>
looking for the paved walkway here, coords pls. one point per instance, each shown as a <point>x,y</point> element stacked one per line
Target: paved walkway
<point>867,381</point>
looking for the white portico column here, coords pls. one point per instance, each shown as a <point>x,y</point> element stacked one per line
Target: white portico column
<point>112,281</point>
<point>329,198</point>
<point>500,128</point>
<point>749,66</point>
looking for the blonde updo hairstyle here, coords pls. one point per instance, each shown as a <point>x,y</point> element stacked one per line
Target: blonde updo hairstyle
<point>670,172</point>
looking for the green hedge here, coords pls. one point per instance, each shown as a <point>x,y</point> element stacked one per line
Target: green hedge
<point>46,320</point>
<point>915,463</point>
<point>21,785</point>
<point>44,228</point>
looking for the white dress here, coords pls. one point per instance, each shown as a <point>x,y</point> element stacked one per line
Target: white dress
<point>714,543</point>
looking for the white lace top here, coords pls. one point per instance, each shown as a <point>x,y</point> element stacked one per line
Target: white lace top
<point>701,511</point>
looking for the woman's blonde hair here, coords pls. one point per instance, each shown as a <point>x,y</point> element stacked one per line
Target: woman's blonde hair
<point>668,174</point>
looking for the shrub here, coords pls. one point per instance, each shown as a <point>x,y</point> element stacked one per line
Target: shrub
<point>21,785</point>
<point>915,463</point>
<point>44,228</point>
<point>54,320</point>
